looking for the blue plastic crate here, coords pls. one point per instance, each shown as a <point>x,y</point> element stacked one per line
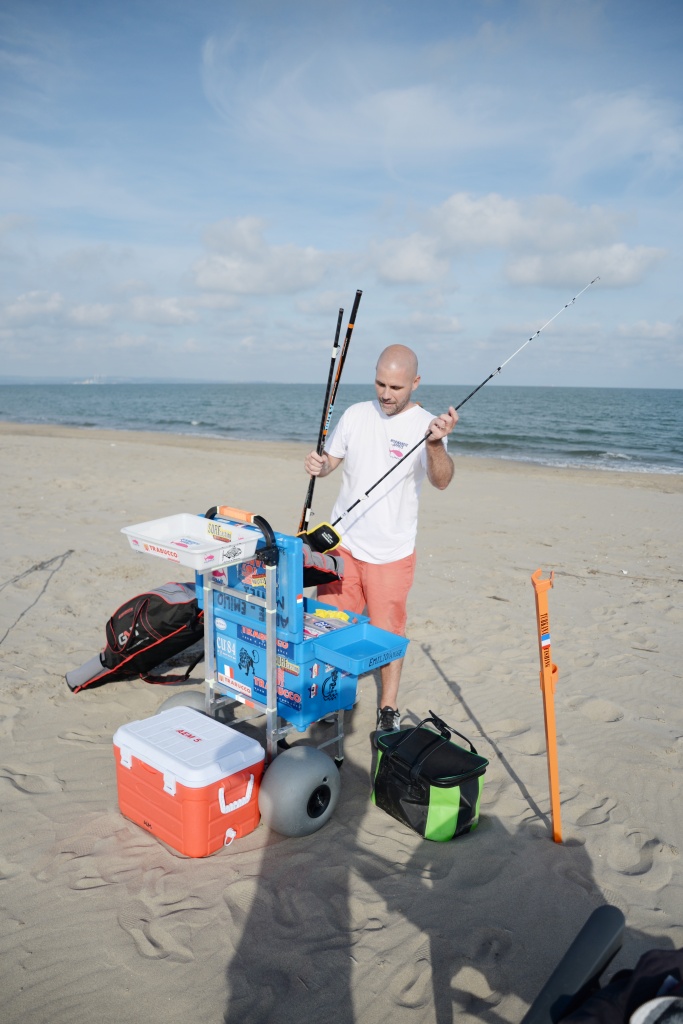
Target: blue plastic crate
<point>250,579</point>
<point>308,685</point>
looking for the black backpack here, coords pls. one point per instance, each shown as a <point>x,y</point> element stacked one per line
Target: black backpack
<point>142,634</point>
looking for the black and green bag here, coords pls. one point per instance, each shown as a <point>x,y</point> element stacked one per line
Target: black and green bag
<point>427,782</point>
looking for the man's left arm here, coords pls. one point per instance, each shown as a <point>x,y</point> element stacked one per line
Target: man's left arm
<point>440,466</point>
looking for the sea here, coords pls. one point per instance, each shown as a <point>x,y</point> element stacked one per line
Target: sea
<point>611,429</point>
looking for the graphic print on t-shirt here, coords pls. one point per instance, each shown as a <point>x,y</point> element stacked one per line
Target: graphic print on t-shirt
<point>396,448</point>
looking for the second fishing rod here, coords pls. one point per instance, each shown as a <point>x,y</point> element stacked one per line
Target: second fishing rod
<point>322,538</point>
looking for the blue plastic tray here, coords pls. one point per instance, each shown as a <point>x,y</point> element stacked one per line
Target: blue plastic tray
<point>360,648</point>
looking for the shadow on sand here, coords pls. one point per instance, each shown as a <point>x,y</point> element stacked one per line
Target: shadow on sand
<point>363,921</point>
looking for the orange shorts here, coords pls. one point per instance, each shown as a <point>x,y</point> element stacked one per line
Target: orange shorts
<point>382,589</point>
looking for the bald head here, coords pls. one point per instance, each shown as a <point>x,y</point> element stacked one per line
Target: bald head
<point>396,378</point>
<point>400,358</point>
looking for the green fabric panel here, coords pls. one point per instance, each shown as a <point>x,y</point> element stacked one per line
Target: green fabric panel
<point>442,817</point>
<point>475,818</point>
<point>379,759</point>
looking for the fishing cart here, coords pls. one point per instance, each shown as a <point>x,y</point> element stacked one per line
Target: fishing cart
<point>292,659</point>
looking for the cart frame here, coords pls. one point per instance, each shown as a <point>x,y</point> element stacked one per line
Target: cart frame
<point>218,695</point>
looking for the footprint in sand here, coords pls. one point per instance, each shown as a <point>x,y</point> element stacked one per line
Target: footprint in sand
<point>7,715</point>
<point>416,988</point>
<point>584,661</point>
<point>531,743</point>
<point>597,710</point>
<point>508,727</point>
<point>8,869</point>
<point>84,737</point>
<point>26,782</point>
<point>616,899</point>
<point>646,859</point>
<point>162,932</point>
<point>599,814</point>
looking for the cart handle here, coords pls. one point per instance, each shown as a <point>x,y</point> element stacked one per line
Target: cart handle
<point>228,512</point>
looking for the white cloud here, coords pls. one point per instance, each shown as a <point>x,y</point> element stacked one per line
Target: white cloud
<point>243,263</point>
<point>130,342</point>
<point>611,129</point>
<point>380,104</point>
<point>544,240</point>
<point>431,330</point>
<point>35,305</point>
<point>213,300</point>
<point>658,331</point>
<point>323,302</point>
<point>93,315</point>
<point>162,311</point>
<point>617,266</point>
<point>411,260</point>
<point>466,221</point>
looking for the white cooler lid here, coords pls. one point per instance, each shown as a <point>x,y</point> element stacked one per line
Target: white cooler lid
<point>195,749</point>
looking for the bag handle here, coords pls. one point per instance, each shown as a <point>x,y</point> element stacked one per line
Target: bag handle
<point>445,732</point>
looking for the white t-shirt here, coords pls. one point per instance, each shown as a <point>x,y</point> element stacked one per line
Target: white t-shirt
<point>383,527</point>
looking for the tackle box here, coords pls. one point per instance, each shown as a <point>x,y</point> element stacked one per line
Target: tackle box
<point>189,780</point>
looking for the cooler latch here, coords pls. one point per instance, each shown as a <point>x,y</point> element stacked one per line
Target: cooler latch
<point>126,757</point>
<point>169,783</point>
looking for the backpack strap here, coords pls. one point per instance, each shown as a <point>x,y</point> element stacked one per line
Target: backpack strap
<point>168,679</point>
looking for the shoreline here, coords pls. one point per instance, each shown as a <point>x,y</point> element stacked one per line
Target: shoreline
<point>670,482</point>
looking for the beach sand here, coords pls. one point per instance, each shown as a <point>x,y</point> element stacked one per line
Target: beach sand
<point>362,921</point>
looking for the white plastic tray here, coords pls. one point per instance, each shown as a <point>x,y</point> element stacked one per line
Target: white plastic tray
<point>192,540</point>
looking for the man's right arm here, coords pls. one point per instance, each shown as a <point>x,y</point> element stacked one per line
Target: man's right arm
<point>320,465</point>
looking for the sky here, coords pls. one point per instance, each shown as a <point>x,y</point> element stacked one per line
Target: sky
<point>193,190</point>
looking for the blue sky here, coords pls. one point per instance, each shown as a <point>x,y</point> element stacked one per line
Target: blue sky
<point>192,190</point>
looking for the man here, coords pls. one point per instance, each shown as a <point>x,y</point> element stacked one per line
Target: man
<point>378,543</point>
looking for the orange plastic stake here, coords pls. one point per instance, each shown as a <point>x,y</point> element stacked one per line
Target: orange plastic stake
<point>549,675</point>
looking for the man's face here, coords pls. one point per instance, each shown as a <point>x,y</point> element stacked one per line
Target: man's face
<point>394,386</point>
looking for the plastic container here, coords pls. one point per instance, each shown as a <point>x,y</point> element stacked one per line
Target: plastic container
<point>192,540</point>
<point>360,648</point>
<point>309,686</point>
<point>249,579</point>
<point>188,780</point>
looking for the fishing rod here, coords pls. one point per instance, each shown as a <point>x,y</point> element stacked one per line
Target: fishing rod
<point>306,514</point>
<point>471,394</point>
<point>320,537</point>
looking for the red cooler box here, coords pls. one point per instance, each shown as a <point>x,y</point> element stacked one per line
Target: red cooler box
<point>188,779</point>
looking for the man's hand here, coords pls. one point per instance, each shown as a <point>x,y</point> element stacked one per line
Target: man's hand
<point>442,425</point>
<point>317,465</point>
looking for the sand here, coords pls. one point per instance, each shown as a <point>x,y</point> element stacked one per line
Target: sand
<point>362,921</point>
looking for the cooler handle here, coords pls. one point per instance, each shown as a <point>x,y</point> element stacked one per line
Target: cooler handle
<point>236,804</point>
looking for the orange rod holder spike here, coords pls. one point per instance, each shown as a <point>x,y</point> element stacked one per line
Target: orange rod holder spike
<point>549,675</point>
